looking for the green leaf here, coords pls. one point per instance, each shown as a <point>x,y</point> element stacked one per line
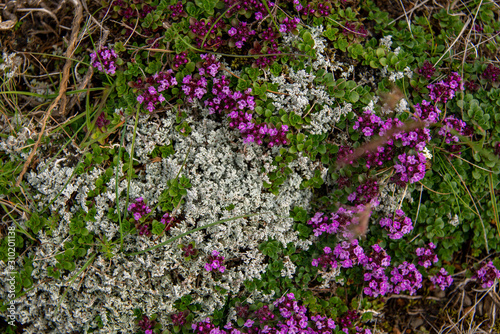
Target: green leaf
<point>353,97</point>
<point>307,37</point>
<point>190,66</point>
<point>380,52</point>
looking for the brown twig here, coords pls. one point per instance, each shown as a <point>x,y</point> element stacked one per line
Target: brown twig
<point>63,87</point>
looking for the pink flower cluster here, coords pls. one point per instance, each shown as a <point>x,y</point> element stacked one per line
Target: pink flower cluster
<point>491,73</point>
<point>194,86</point>
<point>426,256</point>
<point>487,274</point>
<point>206,327</point>
<point>240,34</point>
<point>321,223</point>
<point>321,9</point>
<point>368,123</point>
<point>406,277</point>
<point>263,62</point>
<point>442,279</point>
<point>296,319</point>
<point>153,87</point>
<point>344,154</point>
<point>210,65</point>
<point>379,157</point>
<point>225,100</point>
<point>349,253</point>
<point>139,209</point>
<point>375,265</point>
<point>179,319</point>
<point>167,220</point>
<point>104,60</point>
<point>445,90</point>
<point>215,262</point>
<point>269,34</point>
<point>177,10</point>
<point>288,25</point>
<point>417,138</point>
<point>101,121</point>
<point>293,318</point>
<point>264,314</point>
<point>398,227</point>
<point>453,123</point>
<point>427,112</point>
<point>339,222</point>
<point>366,192</point>
<point>127,12</point>
<point>472,86</point>
<point>146,324</point>
<point>253,132</point>
<point>427,70</point>
<point>347,318</point>
<point>200,29</point>
<point>410,169</point>
<point>189,250</point>
<point>179,60</point>
<point>327,259</point>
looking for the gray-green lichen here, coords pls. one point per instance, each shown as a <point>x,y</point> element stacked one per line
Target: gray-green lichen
<point>222,172</point>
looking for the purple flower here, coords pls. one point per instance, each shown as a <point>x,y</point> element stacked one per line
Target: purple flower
<point>444,90</point>
<point>139,209</point>
<point>411,169</point>
<point>427,70</point>
<point>491,73</point>
<point>442,279</point>
<point>104,60</point>
<point>406,277</point>
<point>215,262</point>
<point>398,227</point>
<point>426,255</point>
<point>486,275</point>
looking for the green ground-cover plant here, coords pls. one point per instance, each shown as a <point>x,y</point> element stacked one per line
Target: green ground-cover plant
<point>397,123</point>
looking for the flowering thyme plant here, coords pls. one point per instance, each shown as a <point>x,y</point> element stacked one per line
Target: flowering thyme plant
<point>104,60</point>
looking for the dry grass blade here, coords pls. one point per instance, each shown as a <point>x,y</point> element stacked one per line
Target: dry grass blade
<point>63,87</point>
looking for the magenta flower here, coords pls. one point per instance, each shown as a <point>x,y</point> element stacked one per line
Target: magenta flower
<point>486,275</point>
<point>427,70</point>
<point>491,73</point>
<point>104,60</point>
<point>406,277</point>
<point>398,227</point>
<point>215,262</point>
<point>426,255</point>
<point>445,90</point>
<point>139,209</point>
<point>442,279</point>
